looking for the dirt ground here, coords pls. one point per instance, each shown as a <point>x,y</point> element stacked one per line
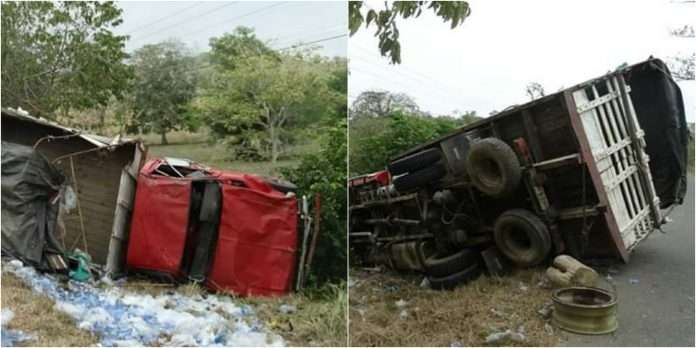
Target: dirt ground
<point>389,309</point>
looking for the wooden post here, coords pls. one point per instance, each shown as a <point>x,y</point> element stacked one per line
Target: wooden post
<point>312,246</point>
<point>568,271</point>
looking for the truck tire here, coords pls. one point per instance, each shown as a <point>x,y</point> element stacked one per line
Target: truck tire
<point>438,267</point>
<point>522,237</point>
<point>415,180</point>
<point>493,167</point>
<point>451,281</point>
<point>414,162</point>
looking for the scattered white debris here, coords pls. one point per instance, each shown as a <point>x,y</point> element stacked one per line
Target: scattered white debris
<point>609,277</point>
<point>546,310</point>
<point>351,282</point>
<point>523,287</point>
<point>122,318</point>
<point>498,313</point>
<point>425,283</point>
<point>549,329</point>
<point>6,315</point>
<point>403,315</point>
<point>500,337</point>
<point>456,344</point>
<point>287,308</point>
<point>634,281</point>
<point>401,303</point>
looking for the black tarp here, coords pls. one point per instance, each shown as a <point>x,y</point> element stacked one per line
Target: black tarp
<point>30,185</point>
<point>659,106</point>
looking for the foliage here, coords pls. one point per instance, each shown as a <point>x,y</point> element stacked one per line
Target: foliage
<point>382,103</point>
<point>371,150</point>
<point>165,83</point>
<point>58,56</point>
<point>535,90</point>
<point>683,68</point>
<point>453,12</point>
<point>325,173</point>
<point>228,49</point>
<point>256,105</point>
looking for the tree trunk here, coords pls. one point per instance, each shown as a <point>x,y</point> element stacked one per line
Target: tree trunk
<point>274,144</point>
<point>164,138</point>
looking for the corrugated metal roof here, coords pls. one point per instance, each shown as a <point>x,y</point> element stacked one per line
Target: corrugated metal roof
<point>96,140</point>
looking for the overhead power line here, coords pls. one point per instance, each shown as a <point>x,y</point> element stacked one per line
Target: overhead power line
<point>163,18</point>
<point>313,42</point>
<point>226,21</point>
<point>184,21</point>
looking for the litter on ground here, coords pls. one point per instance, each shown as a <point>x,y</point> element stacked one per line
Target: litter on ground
<point>123,318</point>
<point>10,337</point>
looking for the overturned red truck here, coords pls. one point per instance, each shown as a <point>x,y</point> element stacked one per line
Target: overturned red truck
<point>587,171</point>
<point>232,231</point>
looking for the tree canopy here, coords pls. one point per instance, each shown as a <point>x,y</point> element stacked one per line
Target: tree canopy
<point>384,20</point>
<point>382,103</point>
<point>58,56</point>
<point>164,84</point>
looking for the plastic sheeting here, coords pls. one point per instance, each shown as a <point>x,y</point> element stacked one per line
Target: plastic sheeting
<point>121,318</point>
<point>29,211</point>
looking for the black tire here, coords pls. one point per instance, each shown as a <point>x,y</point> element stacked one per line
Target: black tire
<point>437,267</point>
<point>414,162</point>
<point>493,167</point>
<point>415,180</point>
<point>522,237</point>
<point>450,282</point>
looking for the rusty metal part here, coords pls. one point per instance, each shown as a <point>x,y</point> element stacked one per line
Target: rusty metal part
<point>589,311</point>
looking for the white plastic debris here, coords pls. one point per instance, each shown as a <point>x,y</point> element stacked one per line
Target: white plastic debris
<point>6,315</point>
<point>403,315</point>
<point>456,344</point>
<point>287,308</point>
<point>122,318</point>
<point>425,283</point>
<point>523,287</point>
<point>500,337</point>
<point>401,303</point>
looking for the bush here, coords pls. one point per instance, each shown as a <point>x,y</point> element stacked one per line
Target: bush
<point>325,173</point>
<point>373,141</point>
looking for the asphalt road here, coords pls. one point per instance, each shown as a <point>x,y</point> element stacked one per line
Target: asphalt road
<point>656,289</point>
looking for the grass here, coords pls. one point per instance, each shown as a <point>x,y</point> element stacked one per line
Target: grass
<point>195,146</point>
<point>35,314</point>
<point>464,316</point>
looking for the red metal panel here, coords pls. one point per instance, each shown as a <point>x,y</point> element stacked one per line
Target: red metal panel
<point>257,242</point>
<point>159,223</point>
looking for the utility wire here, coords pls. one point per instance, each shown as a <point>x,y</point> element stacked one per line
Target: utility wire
<point>313,42</point>
<point>226,21</point>
<point>184,21</point>
<point>163,18</point>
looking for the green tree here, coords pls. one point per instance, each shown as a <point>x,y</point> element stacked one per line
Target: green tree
<point>164,84</point>
<point>58,56</point>
<point>325,173</point>
<point>382,103</point>
<point>373,141</point>
<point>227,50</point>
<point>384,20</point>
<point>256,103</point>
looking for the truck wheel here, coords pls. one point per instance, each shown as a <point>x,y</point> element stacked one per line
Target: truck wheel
<point>437,267</point>
<point>414,162</point>
<point>493,167</point>
<point>450,282</point>
<point>413,181</point>
<point>522,237</point>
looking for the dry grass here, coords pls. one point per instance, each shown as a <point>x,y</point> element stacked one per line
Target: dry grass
<point>34,314</point>
<point>320,319</point>
<point>464,316</point>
